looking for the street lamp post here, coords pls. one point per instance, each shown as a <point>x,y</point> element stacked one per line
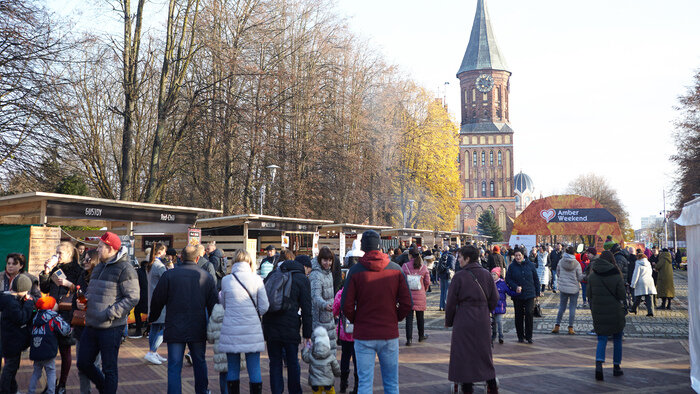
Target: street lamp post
<point>273,171</point>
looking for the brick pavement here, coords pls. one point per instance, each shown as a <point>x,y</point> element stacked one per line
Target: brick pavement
<point>655,359</point>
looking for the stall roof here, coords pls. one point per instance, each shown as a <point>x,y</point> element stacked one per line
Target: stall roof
<point>239,220</point>
<point>38,207</point>
<point>350,227</point>
<point>404,231</point>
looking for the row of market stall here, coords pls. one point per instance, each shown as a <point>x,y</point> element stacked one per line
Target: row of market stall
<point>34,223</point>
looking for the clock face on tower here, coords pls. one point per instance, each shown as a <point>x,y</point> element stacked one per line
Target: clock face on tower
<point>484,83</point>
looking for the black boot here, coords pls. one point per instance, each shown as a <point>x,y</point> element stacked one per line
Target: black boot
<point>617,371</point>
<point>344,381</point>
<point>357,381</point>
<point>234,386</point>
<point>598,370</point>
<point>491,386</point>
<point>256,388</point>
<point>668,304</point>
<point>467,388</point>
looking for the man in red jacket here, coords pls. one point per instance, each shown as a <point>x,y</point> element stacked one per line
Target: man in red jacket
<point>373,288</point>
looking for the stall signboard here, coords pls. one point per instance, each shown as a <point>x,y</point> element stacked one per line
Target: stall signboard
<point>314,245</point>
<point>126,214</point>
<point>285,241</point>
<point>148,241</point>
<point>42,245</point>
<point>252,248</point>
<point>128,241</point>
<point>194,236</point>
<point>342,245</point>
<point>282,226</point>
<point>529,241</point>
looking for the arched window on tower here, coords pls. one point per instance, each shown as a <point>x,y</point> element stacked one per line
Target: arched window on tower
<point>474,159</point>
<point>493,190</point>
<point>483,189</point>
<point>473,95</point>
<point>500,158</point>
<point>491,158</point>
<point>483,158</point>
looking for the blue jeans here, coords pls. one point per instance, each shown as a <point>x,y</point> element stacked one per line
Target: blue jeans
<point>222,382</point>
<point>583,292</point>
<point>571,299</point>
<point>554,279</point>
<point>176,352</point>
<point>252,361</point>
<point>104,342</point>
<point>155,336</point>
<point>291,351</point>
<point>444,285</point>
<point>496,326</point>
<point>617,348</point>
<point>388,352</point>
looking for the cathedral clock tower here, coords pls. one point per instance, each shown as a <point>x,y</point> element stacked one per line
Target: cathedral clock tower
<point>486,138</point>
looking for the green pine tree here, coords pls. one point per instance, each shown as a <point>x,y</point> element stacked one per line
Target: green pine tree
<point>487,225</point>
<point>73,184</point>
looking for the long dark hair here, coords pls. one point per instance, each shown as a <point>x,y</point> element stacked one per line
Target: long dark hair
<point>157,247</point>
<point>417,259</point>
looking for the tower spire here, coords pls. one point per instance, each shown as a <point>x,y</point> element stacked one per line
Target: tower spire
<point>482,52</point>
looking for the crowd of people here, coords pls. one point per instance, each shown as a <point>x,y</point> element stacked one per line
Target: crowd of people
<point>83,298</point>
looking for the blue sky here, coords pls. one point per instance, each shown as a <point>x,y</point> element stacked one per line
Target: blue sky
<point>593,87</point>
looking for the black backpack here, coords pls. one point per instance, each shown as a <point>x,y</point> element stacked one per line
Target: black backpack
<point>442,265</point>
<point>278,286</point>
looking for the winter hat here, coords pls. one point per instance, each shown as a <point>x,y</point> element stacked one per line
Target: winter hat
<point>615,248</point>
<point>592,251</point>
<point>496,249</point>
<point>497,270</point>
<point>304,260</point>
<point>46,303</point>
<point>321,337</point>
<point>269,248</point>
<point>370,241</point>
<point>21,283</point>
<point>112,240</point>
<point>647,252</point>
<point>171,252</point>
<point>608,243</point>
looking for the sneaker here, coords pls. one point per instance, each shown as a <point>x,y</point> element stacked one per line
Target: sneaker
<point>135,336</point>
<point>152,358</point>
<point>592,332</point>
<point>188,358</point>
<point>161,358</point>
<point>500,341</point>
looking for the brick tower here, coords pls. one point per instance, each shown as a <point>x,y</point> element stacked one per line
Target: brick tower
<point>486,138</point>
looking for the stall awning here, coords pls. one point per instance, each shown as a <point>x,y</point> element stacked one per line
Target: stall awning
<point>64,209</point>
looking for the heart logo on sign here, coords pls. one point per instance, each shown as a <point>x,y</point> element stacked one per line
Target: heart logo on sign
<point>548,214</point>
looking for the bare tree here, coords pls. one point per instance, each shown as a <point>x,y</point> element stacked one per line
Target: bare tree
<point>597,187</point>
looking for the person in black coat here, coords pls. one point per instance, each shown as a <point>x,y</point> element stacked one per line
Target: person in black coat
<point>189,293</point>
<point>522,278</point>
<point>17,309</point>
<point>281,330</point>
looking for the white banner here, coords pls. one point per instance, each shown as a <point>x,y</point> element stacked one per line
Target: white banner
<point>342,246</point>
<point>528,240</point>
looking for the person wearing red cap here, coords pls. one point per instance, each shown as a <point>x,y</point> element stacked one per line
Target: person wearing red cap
<point>113,292</point>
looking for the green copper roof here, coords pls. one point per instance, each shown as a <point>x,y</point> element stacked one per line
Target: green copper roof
<point>482,52</point>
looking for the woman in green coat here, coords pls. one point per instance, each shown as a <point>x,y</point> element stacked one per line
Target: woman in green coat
<point>606,294</point>
<point>664,286</point>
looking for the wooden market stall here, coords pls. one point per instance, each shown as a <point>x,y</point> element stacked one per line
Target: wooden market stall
<point>255,232</point>
<point>404,237</point>
<point>340,236</point>
<point>39,214</point>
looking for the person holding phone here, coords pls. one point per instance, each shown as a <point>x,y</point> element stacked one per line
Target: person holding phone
<point>522,277</point>
<point>61,272</point>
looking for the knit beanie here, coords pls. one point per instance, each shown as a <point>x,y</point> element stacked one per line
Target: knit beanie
<point>21,283</point>
<point>46,302</point>
<point>370,241</point>
<point>496,270</point>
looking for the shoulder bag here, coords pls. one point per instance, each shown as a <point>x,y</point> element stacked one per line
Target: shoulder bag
<point>249,295</point>
<point>622,302</point>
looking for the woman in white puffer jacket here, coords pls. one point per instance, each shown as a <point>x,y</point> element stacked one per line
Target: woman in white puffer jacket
<point>643,284</point>
<point>244,300</point>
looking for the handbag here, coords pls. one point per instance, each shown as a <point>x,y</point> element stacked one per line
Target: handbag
<point>348,327</point>
<point>537,311</point>
<point>66,302</point>
<point>78,319</point>
<point>249,295</point>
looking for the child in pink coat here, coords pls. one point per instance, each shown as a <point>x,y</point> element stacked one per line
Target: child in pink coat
<point>346,343</point>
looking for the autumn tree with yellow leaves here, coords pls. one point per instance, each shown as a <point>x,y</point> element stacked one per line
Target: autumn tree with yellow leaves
<point>426,186</point>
